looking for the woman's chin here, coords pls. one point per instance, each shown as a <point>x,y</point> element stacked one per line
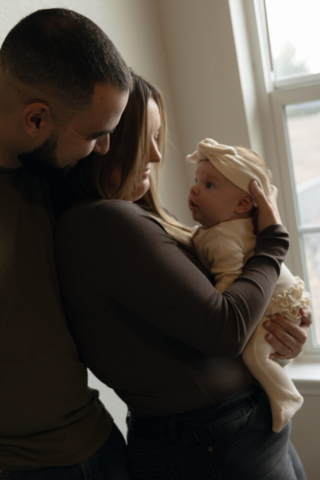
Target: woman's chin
<point>141,190</point>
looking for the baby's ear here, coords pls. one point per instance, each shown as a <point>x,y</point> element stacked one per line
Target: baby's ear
<point>245,204</point>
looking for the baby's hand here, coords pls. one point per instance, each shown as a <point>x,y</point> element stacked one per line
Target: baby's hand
<point>268,213</point>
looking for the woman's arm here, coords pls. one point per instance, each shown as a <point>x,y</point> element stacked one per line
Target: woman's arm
<point>286,337</point>
<point>125,255</point>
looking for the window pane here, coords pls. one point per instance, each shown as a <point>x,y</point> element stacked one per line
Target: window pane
<point>311,243</point>
<point>303,123</point>
<point>294,36</point>
<point>303,126</point>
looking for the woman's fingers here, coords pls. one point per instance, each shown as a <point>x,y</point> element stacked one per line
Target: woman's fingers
<point>258,195</point>
<point>306,318</point>
<point>281,324</point>
<point>268,213</point>
<point>286,337</point>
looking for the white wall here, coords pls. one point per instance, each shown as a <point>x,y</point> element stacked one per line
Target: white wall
<point>185,47</point>
<point>204,73</point>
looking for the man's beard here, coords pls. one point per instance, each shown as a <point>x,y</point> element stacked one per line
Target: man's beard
<point>42,161</point>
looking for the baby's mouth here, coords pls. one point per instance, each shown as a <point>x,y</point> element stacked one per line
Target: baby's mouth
<point>192,205</point>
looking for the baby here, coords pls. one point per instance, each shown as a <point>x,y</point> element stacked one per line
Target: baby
<point>220,201</point>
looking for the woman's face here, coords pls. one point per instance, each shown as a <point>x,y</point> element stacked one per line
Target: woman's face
<point>153,130</point>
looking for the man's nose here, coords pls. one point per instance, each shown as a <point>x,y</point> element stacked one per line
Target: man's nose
<point>102,145</point>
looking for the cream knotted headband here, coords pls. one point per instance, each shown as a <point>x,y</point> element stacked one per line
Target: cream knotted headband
<point>235,168</point>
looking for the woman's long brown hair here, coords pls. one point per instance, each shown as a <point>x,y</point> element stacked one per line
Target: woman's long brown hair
<point>129,144</point>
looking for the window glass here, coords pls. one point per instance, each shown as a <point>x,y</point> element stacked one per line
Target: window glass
<point>294,36</point>
<point>311,244</point>
<point>303,126</point>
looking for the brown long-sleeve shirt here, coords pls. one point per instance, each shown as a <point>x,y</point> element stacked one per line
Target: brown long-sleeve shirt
<point>147,321</point>
<point>48,416</point>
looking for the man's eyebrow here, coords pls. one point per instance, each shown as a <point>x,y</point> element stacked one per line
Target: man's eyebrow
<point>95,135</point>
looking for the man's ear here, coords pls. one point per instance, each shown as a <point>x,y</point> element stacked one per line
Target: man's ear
<point>37,120</point>
<point>245,204</point>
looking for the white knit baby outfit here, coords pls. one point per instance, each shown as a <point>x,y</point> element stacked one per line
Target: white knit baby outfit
<point>223,250</point>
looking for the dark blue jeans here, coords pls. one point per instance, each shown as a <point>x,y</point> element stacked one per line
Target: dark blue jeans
<point>108,463</point>
<point>231,440</point>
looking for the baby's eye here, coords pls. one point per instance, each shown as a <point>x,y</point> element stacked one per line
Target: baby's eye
<point>195,180</point>
<point>209,185</point>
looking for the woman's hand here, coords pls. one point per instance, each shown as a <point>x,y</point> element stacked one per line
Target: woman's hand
<point>286,337</point>
<point>268,213</point>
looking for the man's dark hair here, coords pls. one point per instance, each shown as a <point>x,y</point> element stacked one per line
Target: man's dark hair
<point>63,53</point>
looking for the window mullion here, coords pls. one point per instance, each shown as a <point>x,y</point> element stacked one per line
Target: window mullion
<point>285,181</point>
<point>308,229</point>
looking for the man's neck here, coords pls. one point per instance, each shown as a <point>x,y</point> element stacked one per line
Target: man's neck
<point>10,125</point>
<point>9,143</point>
<point>5,162</point>
<point>8,153</point>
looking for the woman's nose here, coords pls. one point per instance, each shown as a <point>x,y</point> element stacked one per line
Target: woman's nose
<point>102,145</point>
<point>154,153</point>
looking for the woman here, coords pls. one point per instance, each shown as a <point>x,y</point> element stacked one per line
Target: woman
<point>149,323</point>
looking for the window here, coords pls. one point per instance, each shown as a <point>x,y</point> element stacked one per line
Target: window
<point>288,36</point>
<point>294,36</point>
<point>303,122</point>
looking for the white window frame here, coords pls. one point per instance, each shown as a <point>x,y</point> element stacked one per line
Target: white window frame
<point>272,97</point>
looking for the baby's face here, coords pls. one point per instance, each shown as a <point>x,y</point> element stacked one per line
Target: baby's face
<point>213,198</point>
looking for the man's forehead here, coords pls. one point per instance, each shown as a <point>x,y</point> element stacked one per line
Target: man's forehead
<point>104,112</point>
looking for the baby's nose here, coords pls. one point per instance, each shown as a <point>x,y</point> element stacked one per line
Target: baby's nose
<point>194,189</point>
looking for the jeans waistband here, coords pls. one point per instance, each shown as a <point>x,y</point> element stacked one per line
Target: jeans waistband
<point>161,427</point>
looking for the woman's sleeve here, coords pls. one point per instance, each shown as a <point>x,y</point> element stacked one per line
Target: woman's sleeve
<point>126,255</point>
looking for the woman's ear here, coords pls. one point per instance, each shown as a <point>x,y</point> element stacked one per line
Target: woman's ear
<point>37,120</point>
<point>245,204</point>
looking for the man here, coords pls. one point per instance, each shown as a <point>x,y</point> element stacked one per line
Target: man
<point>63,87</point>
